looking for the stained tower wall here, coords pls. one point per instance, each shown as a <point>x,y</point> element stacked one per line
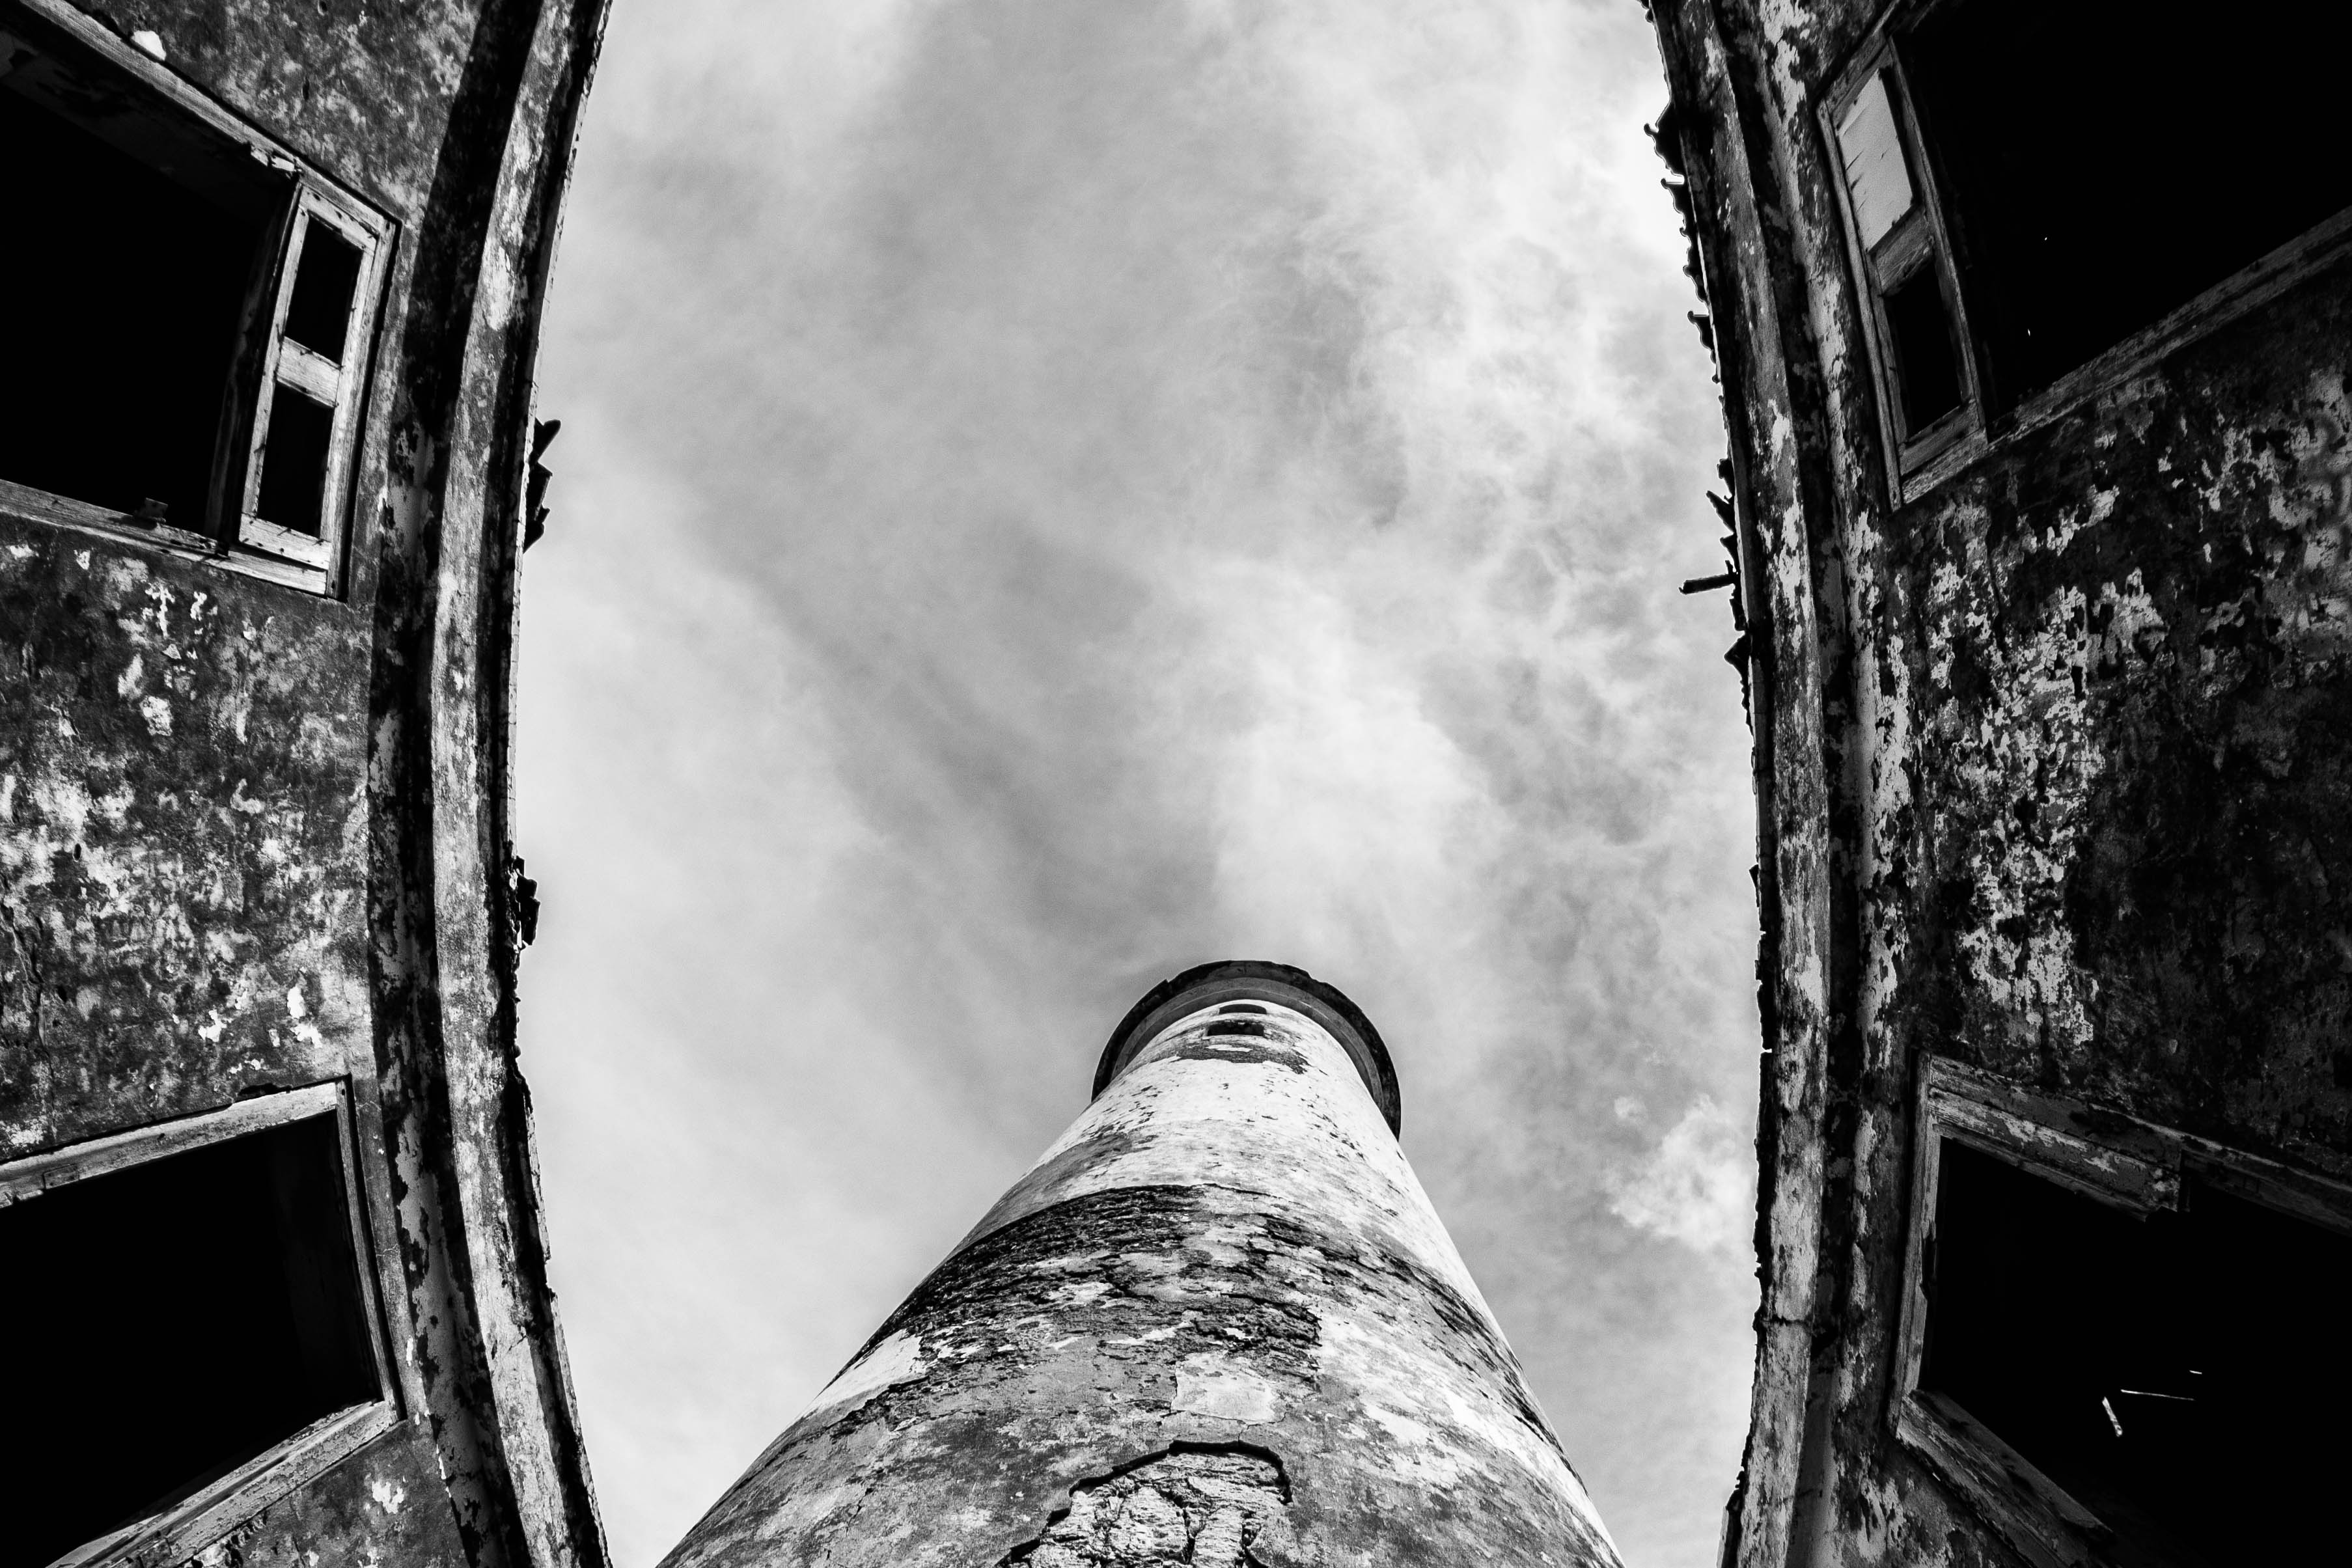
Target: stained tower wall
<point>1222,1287</point>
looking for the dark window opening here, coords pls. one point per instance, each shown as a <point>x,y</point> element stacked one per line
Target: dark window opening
<point>1252,1027</point>
<point>1242,1007</point>
<point>294,462</point>
<point>2104,162</point>
<point>169,277</point>
<point>319,313</point>
<point>1926,367</point>
<point>169,1322</point>
<point>126,287</point>
<point>2181,1375</point>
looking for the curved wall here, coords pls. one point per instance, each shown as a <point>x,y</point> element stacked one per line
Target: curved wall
<point>254,838</point>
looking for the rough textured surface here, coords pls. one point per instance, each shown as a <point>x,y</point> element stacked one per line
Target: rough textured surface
<point>382,1505</point>
<point>2053,760</point>
<point>181,753</point>
<point>254,838</point>
<point>2134,664</point>
<point>1217,1317</point>
<point>364,91</point>
<point>1194,1505</point>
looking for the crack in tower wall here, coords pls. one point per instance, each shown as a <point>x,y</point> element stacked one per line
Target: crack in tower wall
<point>1199,1505</point>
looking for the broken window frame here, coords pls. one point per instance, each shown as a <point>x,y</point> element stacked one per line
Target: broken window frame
<point>1919,462</point>
<point>2109,1156</point>
<point>1914,243</point>
<point>189,1526</point>
<point>233,535</point>
<point>289,367</point>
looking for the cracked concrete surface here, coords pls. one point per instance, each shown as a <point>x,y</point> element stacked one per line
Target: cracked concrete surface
<point>1192,1507</point>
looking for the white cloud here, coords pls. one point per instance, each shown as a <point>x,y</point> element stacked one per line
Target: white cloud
<point>1698,1186</point>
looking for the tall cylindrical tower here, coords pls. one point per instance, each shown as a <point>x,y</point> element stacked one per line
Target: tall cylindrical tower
<point>1217,1324</point>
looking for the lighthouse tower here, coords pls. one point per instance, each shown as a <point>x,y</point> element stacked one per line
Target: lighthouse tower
<point>1217,1324</point>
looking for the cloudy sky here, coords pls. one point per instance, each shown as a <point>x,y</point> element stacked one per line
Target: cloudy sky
<point>1056,491</point>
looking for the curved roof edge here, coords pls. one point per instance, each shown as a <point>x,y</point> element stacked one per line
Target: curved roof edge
<point>1253,979</point>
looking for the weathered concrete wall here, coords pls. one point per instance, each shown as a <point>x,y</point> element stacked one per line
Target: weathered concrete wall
<point>253,837</point>
<point>2130,663</point>
<point>384,1505</point>
<point>2051,760</point>
<point>364,91</point>
<point>182,752</point>
<point>1217,1323</point>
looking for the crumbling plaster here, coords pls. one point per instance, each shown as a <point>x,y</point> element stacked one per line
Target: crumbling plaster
<point>2051,760</point>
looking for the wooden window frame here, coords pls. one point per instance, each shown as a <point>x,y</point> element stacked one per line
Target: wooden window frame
<point>1917,241</point>
<point>2105,1155</point>
<point>188,1527</point>
<point>234,537</point>
<point>1919,463</point>
<point>341,387</point>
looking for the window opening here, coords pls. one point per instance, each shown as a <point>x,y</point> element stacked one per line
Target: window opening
<point>199,307</point>
<point>171,1322</point>
<point>1905,268</point>
<point>2105,162</point>
<point>1926,368</point>
<point>294,462</point>
<point>125,287</point>
<point>2175,1373</point>
<point>306,395</point>
<point>319,315</point>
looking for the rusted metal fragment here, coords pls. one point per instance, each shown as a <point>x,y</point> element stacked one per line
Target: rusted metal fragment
<point>1226,1255</point>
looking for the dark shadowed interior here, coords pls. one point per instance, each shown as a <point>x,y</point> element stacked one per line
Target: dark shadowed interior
<point>167,1324</point>
<point>125,290</point>
<point>1927,361</point>
<point>318,312</point>
<point>294,462</point>
<point>2180,1375</point>
<point>2107,160</point>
